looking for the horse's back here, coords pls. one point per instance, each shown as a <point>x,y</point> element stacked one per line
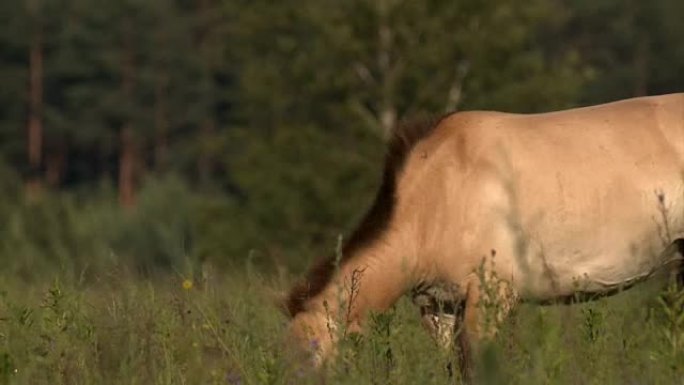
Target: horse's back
<point>565,198</point>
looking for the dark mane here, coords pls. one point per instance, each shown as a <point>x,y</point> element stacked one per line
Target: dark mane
<point>376,220</point>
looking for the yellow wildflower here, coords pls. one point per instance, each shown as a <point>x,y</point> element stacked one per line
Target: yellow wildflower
<point>187,284</point>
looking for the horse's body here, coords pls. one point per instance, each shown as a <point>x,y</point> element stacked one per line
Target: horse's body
<point>584,200</point>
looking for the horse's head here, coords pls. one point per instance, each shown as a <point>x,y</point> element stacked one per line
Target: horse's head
<point>311,335</point>
<point>311,330</point>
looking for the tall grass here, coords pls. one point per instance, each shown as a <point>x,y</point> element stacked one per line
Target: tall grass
<point>223,329</point>
<point>82,232</point>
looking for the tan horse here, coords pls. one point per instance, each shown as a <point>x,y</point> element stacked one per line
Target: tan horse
<point>500,207</point>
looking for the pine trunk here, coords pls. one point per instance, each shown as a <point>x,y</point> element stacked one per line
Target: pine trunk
<point>35,117</point>
<point>204,162</point>
<point>127,147</point>
<point>161,124</point>
<point>388,110</point>
<point>55,165</point>
<point>127,168</point>
<point>208,126</point>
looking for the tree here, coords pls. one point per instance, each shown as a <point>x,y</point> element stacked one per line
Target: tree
<point>14,74</point>
<point>322,83</point>
<point>35,117</point>
<point>380,61</point>
<point>634,48</point>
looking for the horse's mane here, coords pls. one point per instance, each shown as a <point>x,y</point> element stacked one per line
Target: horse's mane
<point>376,220</point>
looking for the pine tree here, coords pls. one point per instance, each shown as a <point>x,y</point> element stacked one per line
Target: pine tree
<point>634,48</point>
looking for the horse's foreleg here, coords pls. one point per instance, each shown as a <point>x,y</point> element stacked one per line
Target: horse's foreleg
<point>441,327</point>
<point>438,307</point>
<point>444,323</point>
<point>484,312</point>
<point>679,244</point>
<point>469,335</point>
<point>679,279</point>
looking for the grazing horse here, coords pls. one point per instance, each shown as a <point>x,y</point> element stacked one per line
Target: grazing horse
<point>488,207</point>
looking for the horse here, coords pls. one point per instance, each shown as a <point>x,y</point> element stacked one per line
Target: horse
<point>483,207</point>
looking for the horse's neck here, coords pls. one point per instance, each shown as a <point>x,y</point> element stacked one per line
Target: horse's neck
<point>370,280</point>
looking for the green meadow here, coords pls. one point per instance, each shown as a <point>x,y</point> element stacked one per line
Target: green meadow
<point>223,328</point>
<point>168,169</point>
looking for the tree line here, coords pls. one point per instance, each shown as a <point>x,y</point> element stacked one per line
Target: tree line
<point>271,115</point>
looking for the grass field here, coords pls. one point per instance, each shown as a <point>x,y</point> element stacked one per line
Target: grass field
<point>223,329</point>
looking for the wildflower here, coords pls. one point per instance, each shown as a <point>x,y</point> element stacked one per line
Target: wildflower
<point>187,284</point>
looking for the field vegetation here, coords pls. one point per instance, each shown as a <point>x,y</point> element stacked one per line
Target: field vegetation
<point>169,167</point>
<point>214,328</point>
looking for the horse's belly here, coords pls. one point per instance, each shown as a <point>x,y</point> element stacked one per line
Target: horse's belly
<point>591,265</point>
<point>600,240</point>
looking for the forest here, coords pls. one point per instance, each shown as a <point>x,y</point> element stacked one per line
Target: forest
<point>167,167</point>
<point>167,133</point>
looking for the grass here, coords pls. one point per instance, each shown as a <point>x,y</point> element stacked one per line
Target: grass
<point>223,329</point>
